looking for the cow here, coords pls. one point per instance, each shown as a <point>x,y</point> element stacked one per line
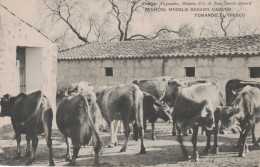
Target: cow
<point>155,86</point>
<point>171,93</point>
<point>154,90</point>
<point>231,89</point>
<point>31,114</point>
<point>199,101</point>
<point>78,118</point>
<point>233,85</point>
<point>123,102</point>
<point>153,109</point>
<point>245,110</point>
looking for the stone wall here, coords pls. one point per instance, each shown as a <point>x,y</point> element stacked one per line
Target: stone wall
<point>14,33</point>
<point>125,71</point>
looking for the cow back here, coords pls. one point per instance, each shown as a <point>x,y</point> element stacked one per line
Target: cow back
<point>204,91</point>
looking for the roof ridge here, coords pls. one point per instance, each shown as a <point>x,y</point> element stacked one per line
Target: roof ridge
<point>27,23</point>
<point>161,40</point>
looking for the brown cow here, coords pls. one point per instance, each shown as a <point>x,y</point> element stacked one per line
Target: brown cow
<point>189,103</point>
<point>245,110</point>
<point>124,102</point>
<point>31,115</point>
<point>78,118</point>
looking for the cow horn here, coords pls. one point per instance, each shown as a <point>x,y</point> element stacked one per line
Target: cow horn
<point>234,92</point>
<point>219,107</point>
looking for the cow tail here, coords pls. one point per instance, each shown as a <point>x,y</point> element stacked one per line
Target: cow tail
<point>39,101</point>
<point>92,124</point>
<point>136,122</point>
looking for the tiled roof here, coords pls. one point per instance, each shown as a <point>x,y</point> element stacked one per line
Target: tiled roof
<point>219,46</point>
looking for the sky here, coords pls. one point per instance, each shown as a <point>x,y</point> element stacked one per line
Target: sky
<point>149,22</point>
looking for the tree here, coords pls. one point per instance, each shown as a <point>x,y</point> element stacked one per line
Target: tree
<point>67,12</point>
<point>222,23</point>
<point>186,31</point>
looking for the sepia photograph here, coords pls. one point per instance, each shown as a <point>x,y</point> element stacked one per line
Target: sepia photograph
<point>107,83</point>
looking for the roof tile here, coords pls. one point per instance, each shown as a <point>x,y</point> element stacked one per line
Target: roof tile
<point>249,44</point>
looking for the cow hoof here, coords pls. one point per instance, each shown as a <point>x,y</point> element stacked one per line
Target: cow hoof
<point>215,150</point>
<point>247,151</point>
<point>185,134</point>
<point>197,159</point>
<point>116,144</point>
<point>142,151</point>
<point>28,153</point>
<point>68,159</point>
<point>52,163</point>
<point>72,162</point>
<point>154,138</point>
<point>18,156</point>
<point>110,145</point>
<point>123,149</point>
<point>206,150</point>
<point>29,162</point>
<point>242,155</point>
<point>174,133</point>
<point>222,132</point>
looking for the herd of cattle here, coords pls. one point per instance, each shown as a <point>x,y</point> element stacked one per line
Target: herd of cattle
<point>185,104</point>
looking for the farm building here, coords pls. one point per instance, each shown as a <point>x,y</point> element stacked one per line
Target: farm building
<point>113,63</point>
<point>28,59</point>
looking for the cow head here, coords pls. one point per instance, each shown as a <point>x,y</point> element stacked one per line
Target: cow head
<point>172,91</point>
<point>162,111</point>
<point>6,105</point>
<point>207,115</point>
<point>228,117</point>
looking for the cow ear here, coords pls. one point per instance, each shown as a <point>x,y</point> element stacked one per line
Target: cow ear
<point>7,97</point>
<point>204,102</point>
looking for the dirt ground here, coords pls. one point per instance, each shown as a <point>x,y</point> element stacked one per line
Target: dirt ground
<point>165,151</point>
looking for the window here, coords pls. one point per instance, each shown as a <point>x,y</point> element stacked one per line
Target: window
<point>190,71</point>
<point>254,72</point>
<point>108,71</point>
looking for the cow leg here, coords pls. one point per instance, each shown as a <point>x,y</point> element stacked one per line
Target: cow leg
<point>18,149</point>
<point>185,130</point>
<point>141,131</point>
<point>215,148</point>
<point>174,128</point>
<point>47,124</point>
<point>207,148</point>
<point>183,148</point>
<point>194,142</point>
<point>202,130</point>
<point>239,141</point>
<point>97,145</point>
<point>117,124</point>
<point>144,121</point>
<point>243,146</point>
<point>75,154</point>
<point>127,134</point>
<point>190,131</point>
<point>153,132</point>
<point>120,127</point>
<point>28,153</point>
<point>34,147</point>
<point>253,137</point>
<point>112,133</point>
<point>68,155</point>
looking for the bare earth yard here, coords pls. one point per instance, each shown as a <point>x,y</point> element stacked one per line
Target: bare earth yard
<point>163,152</point>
